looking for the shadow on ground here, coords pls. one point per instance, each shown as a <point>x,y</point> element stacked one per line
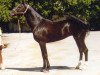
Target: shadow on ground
<point>38,69</point>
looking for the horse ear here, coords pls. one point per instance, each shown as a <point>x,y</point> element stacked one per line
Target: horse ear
<point>23,2</point>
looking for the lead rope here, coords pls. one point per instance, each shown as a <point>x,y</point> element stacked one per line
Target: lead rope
<point>19,27</point>
<point>19,35</point>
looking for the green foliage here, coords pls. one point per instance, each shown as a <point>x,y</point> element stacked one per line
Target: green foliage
<point>85,9</point>
<point>4,10</point>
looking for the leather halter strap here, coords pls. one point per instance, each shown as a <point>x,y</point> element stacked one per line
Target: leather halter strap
<point>22,12</point>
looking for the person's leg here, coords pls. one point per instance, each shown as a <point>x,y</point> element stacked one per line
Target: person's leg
<point>0,54</point>
<point>1,46</point>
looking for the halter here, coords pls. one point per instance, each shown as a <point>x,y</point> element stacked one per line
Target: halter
<point>21,12</point>
<point>26,9</point>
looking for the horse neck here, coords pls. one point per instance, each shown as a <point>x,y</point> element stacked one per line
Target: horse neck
<point>32,18</point>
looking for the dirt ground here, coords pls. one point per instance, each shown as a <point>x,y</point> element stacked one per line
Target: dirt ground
<point>23,55</point>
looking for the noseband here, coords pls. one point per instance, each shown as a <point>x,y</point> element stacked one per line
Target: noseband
<point>22,12</point>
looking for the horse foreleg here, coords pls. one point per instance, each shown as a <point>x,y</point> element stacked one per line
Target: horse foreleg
<point>46,64</point>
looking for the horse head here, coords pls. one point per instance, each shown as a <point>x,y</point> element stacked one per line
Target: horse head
<point>19,10</point>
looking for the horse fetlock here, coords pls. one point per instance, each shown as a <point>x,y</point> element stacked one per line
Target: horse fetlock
<point>79,64</point>
<point>82,65</point>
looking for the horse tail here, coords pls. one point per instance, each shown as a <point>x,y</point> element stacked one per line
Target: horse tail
<point>87,29</point>
<point>78,24</point>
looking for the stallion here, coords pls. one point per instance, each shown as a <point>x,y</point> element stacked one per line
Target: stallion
<point>45,31</point>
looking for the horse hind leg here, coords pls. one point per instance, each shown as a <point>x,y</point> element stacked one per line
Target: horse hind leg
<point>80,60</point>
<point>82,50</point>
<point>85,51</point>
<point>85,64</point>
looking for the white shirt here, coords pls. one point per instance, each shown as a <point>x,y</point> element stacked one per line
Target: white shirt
<point>0,36</point>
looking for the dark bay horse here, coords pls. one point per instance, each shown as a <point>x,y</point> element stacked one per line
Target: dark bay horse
<point>45,31</point>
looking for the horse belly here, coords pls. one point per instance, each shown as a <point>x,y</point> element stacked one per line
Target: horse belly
<point>57,36</point>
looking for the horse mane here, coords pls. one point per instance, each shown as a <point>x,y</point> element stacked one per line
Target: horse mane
<point>34,11</point>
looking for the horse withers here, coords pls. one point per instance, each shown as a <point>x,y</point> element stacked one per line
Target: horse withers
<point>45,31</point>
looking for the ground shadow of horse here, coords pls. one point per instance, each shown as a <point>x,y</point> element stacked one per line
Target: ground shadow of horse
<point>37,69</point>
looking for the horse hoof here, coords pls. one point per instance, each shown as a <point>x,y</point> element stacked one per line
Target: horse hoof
<point>79,64</point>
<point>82,67</point>
<point>45,70</point>
<point>77,68</point>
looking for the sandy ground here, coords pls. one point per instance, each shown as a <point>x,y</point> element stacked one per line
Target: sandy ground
<point>23,55</point>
